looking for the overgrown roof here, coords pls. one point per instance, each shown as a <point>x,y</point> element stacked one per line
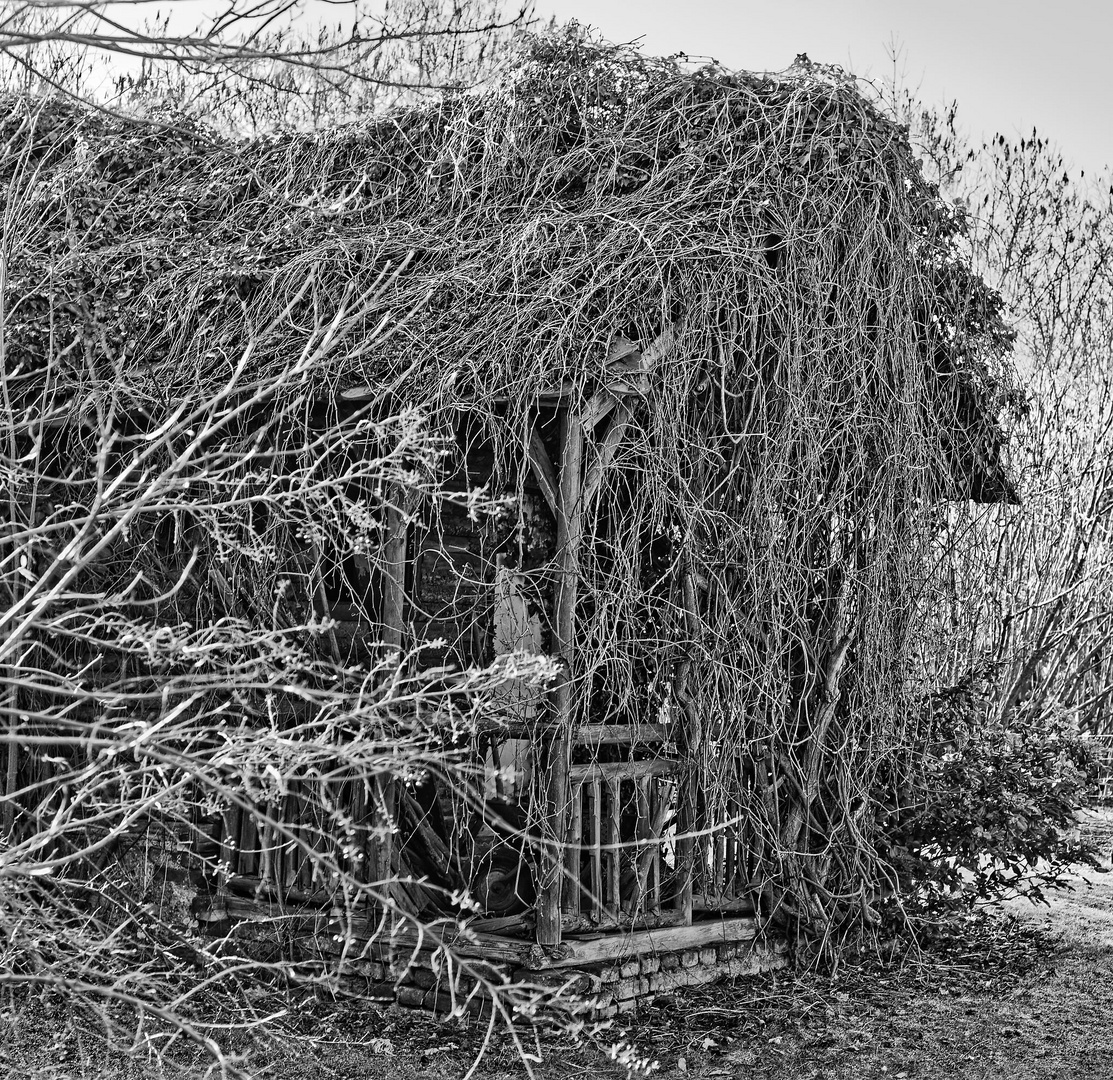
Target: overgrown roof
<point>779,225</point>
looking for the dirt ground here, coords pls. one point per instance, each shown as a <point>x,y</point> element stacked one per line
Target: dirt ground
<point>1025,995</point>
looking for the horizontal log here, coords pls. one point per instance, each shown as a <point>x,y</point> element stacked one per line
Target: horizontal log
<point>572,951</point>
<point>256,888</point>
<point>441,1002</point>
<point>623,770</point>
<point>512,923</point>
<point>621,734</point>
<point>489,947</point>
<point>670,939</point>
<point>380,942</point>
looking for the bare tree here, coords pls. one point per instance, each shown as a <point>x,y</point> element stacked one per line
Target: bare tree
<point>258,63</point>
<point>224,513</point>
<point>1034,580</point>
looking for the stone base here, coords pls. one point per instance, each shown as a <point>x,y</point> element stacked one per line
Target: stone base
<point>419,979</point>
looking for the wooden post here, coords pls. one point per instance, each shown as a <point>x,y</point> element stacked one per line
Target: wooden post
<point>730,869</point>
<point>689,736</point>
<point>270,872</point>
<point>572,886</point>
<point>394,572</point>
<point>569,524</point>
<point>382,846</point>
<point>614,845</point>
<point>595,801</point>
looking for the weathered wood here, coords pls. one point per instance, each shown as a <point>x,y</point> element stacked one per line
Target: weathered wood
<point>443,1003</point>
<point>719,876</point>
<point>658,348</point>
<point>376,944</point>
<point>659,808</point>
<point>381,845</point>
<point>621,734</point>
<point>503,924</point>
<point>644,833</point>
<point>261,890</point>
<point>670,939</point>
<point>248,843</point>
<point>613,842</point>
<point>571,900</point>
<point>569,524</point>
<point>629,372</point>
<point>270,873</point>
<point>598,407</point>
<point>690,736</point>
<point>624,770</point>
<point>596,838</point>
<point>730,867</point>
<point>604,454</point>
<point>291,862</point>
<point>543,471</point>
<point>229,838</point>
<point>392,615</point>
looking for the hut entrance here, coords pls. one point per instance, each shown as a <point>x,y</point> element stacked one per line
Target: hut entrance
<point>576,820</point>
<point>574,810</point>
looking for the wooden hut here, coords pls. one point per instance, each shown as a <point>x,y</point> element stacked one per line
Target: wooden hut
<point>707,343</point>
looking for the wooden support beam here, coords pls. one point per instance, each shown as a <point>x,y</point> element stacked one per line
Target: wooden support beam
<point>730,865</point>
<point>689,846</point>
<point>543,471</point>
<point>248,843</point>
<point>604,454</point>
<point>229,838</point>
<point>569,527</point>
<point>623,770</point>
<point>598,407</point>
<point>570,901</point>
<point>621,734</point>
<point>613,885</point>
<point>646,841</point>
<point>403,940</point>
<point>595,802</point>
<point>394,573</point>
<point>629,373</point>
<point>270,873</point>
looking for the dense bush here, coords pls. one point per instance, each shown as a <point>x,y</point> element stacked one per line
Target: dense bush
<point>985,807</point>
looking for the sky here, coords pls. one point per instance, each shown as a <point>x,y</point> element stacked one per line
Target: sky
<point>1010,64</point>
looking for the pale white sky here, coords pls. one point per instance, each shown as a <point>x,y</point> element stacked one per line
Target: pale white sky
<point>1011,64</point>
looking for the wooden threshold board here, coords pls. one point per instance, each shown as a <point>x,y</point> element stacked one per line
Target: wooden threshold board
<point>571,952</point>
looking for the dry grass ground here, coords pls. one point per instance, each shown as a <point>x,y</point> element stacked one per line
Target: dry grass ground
<point>1026,996</point>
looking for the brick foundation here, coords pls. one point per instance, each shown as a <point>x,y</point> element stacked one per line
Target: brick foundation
<point>421,980</point>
